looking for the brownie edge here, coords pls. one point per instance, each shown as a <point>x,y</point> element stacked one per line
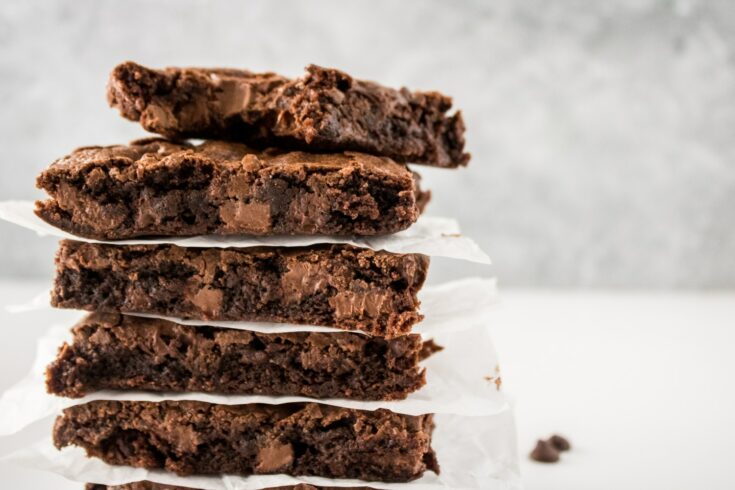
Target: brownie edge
<point>323,110</point>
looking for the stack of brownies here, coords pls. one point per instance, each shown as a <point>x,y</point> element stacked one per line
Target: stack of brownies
<point>323,154</point>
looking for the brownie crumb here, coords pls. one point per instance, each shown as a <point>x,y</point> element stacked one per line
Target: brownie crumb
<point>429,348</point>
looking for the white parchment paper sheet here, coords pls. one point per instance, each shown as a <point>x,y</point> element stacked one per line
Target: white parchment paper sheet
<point>474,453</point>
<point>451,306</point>
<point>438,237</point>
<point>459,380</point>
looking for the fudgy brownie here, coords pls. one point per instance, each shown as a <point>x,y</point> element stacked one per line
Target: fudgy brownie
<point>298,439</point>
<point>323,110</point>
<point>333,285</point>
<point>157,187</point>
<point>147,485</point>
<point>120,352</point>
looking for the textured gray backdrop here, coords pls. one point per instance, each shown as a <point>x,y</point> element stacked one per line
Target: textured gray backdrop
<point>603,133</point>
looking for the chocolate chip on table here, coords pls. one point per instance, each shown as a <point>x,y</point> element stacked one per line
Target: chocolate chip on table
<point>560,443</point>
<point>544,452</point>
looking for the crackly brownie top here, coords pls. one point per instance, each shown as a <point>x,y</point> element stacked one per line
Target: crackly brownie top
<point>325,109</point>
<point>155,151</point>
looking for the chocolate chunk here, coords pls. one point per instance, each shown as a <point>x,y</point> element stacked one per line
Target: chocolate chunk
<point>560,443</point>
<point>324,110</point>
<point>544,452</point>
<point>275,457</point>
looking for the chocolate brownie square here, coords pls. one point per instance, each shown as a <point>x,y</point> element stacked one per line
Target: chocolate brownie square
<point>324,110</point>
<point>156,187</point>
<point>110,351</point>
<point>332,285</point>
<point>299,439</point>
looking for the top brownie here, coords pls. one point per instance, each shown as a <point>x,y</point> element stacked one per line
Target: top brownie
<point>323,110</point>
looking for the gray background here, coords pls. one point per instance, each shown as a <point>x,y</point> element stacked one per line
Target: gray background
<point>603,133</point>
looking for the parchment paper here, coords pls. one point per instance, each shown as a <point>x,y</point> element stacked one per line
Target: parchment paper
<point>438,237</point>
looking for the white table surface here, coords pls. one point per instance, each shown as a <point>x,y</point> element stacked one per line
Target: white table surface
<point>641,383</point>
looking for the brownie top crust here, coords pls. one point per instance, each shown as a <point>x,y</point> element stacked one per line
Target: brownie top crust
<point>325,109</point>
<point>147,152</point>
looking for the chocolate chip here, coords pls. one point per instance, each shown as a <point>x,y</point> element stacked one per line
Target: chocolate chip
<point>544,452</point>
<point>560,443</point>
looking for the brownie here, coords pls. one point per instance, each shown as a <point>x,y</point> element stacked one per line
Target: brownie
<point>110,351</point>
<point>299,439</point>
<point>147,485</point>
<point>157,187</point>
<point>333,285</point>
<point>323,110</point>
